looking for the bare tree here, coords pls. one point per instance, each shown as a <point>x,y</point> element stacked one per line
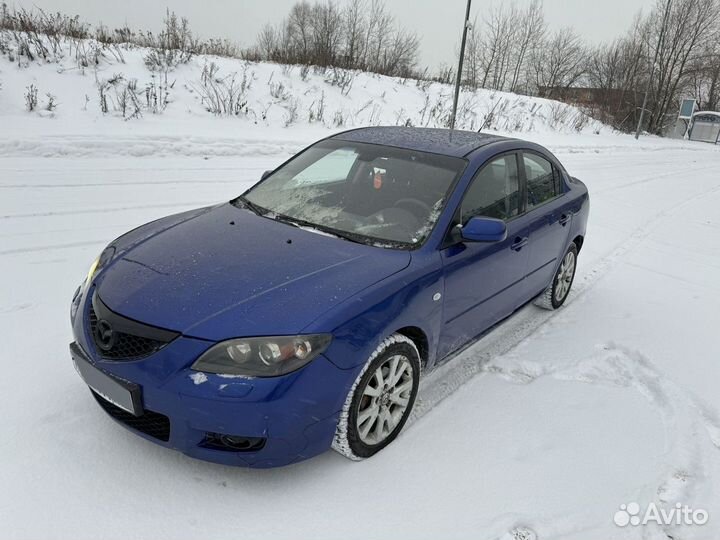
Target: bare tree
<point>299,31</point>
<point>267,42</point>
<point>531,31</point>
<point>499,44</point>
<point>378,34</point>
<point>615,70</point>
<point>705,77</point>
<point>559,62</point>
<point>691,26</point>
<point>354,29</point>
<point>493,42</point>
<point>399,57</point>
<point>325,35</point>
<point>503,33</point>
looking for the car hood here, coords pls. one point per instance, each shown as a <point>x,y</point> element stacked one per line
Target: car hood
<point>225,272</point>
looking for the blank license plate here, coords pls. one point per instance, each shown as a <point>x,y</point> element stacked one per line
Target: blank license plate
<point>123,394</point>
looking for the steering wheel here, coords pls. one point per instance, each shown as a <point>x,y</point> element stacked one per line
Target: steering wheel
<point>402,221</point>
<point>417,207</point>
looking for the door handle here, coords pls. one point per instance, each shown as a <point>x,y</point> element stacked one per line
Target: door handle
<point>565,219</point>
<point>519,243</point>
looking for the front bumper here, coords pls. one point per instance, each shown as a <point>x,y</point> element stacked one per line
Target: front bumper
<point>295,415</point>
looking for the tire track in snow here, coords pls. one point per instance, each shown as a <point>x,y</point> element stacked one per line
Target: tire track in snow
<point>447,378</point>
<point>35,233</point>
<point>53,247</point>
<point>140,168</point>
<point>575,160</point>
<point>652,178</point>
<point>188,204</point>
<point>15,308</point>
<point>682,415</point>
<point>144,146</point>
<point>119,184</point>
<point>635,238</point>
<point>491,354</point>
<point>619,149</point>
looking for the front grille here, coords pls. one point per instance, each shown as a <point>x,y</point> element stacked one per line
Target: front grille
<point>150,423</point>
<point>126,346</point>
<point>119,338</point>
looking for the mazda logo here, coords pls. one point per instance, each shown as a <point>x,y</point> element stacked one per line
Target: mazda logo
<point>104,335</point>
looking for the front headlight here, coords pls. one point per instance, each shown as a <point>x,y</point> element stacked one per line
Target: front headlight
<point>262,356</point>
<point>99,263</point>
<point>102,259</point>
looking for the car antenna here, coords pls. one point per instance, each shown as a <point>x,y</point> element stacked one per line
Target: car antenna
<point>458,79</point>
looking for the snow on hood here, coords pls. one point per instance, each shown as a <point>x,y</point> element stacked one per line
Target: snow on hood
<point>229,273</point>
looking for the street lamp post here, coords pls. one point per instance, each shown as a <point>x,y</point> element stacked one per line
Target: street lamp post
<point>458,80</point>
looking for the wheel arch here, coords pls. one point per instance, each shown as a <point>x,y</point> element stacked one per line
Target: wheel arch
<point>418,336</point>
<point>578,241</point>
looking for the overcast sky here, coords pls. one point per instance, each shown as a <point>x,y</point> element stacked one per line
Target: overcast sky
<point>437,22</point>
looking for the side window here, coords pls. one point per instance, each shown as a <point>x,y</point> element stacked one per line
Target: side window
<point>494,191</point>
<point>543,181</point>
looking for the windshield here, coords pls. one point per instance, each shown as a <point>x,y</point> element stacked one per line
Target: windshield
<point>365,192</point>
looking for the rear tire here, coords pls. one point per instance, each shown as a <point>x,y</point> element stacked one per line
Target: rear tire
<point>557,292</point>
<point>381,399</point>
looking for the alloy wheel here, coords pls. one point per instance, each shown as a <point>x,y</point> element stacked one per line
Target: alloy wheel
<point>564,276</point>
<point>384,400</point>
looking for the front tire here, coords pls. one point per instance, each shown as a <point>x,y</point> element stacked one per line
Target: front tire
<point>381,399</point>
<point>557,292</point>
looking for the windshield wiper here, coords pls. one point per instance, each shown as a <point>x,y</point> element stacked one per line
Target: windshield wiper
<point>260,211</point>
<point>357,238</point>
<point>297,222</point>
<point>350,237</point>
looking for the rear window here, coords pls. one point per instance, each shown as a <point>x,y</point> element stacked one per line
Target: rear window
<point>543,180</point>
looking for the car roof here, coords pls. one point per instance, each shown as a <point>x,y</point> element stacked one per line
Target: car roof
<point>435,140</point>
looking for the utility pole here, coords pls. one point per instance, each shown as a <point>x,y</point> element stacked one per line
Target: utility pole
<point>460,67</point>
<point>652,69</point>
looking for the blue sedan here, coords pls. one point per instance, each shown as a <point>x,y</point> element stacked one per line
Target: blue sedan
<point>301,315</point>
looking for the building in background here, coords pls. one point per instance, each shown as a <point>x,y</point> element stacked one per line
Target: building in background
<point>585,96</point>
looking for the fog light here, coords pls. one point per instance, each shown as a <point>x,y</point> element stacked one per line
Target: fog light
<point>233,443</point>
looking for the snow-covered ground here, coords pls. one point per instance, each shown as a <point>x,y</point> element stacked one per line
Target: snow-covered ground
<point>540,431</point>
<point>546,425</point>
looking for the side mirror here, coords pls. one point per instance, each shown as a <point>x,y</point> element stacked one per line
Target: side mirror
<point>484,229</point>
<point>265,175</point>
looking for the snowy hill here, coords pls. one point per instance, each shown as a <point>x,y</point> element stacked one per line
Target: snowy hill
<point>87,88</point>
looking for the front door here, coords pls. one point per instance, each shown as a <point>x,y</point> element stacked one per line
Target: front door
<point>484,281</point>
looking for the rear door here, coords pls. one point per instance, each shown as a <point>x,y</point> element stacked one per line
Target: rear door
<point>549,215</point>
<point>484,281</point>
